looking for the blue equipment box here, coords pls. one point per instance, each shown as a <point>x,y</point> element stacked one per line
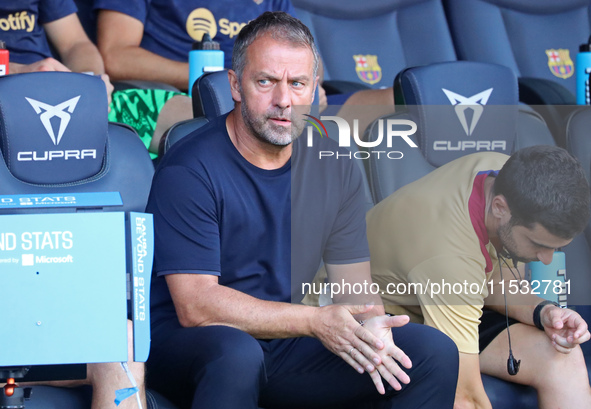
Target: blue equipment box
<point>63,286</point>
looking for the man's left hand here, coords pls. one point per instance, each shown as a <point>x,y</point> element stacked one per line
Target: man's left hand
<point>564,327</point>
<point>381,326</point>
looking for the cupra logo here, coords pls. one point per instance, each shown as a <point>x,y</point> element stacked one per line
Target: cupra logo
<point>461,103</point>
<point>51,111</point>
<point>46,112</point>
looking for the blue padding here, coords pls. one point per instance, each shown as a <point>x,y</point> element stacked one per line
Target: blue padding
<point>53,126</point>
<point>509,395</point>
<point>180,130</point>
<point>423,85</point>
<point>579,145</point>
<point>539,6</point>
<point>127,170</point>
<point>348,9</point>
<point>371,42</point>
<point>577,138</point>
<point>212,96</point>
<point>437,95</point>
<point>520,34</point>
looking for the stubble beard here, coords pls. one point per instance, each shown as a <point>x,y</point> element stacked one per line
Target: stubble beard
<point>263,129</point>
<point>508,243</point>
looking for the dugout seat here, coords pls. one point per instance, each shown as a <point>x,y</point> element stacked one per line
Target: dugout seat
<point>538,40</point>
<point>579,145</point>
<point>459,108</point>
<point>433,97</point>
<point>54,139</point>
<point>520,127</point>
<point>211,97</point>
<point>370,42</point>
<point>522,34</point>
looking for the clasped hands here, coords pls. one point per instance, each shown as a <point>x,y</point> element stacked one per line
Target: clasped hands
<point>368,348</point>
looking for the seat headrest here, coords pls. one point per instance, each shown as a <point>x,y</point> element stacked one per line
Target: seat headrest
<point>339,9</point>
<point>460,107</point>
<point>211,95</point>
<point>540,7</point>
<point>53,126</point>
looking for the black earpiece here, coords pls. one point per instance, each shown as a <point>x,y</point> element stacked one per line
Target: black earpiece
<point>512,363</point>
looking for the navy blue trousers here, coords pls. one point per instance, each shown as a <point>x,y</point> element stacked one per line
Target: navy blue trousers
<point>221,367</point>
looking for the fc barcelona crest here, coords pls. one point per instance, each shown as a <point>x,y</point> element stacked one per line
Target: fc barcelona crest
<point>560,63</point>
<point>367,68</point>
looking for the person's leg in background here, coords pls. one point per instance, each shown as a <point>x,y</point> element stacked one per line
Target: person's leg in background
<point>106,378</point>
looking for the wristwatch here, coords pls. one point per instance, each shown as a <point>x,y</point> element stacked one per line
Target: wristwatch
<point>538,310</point>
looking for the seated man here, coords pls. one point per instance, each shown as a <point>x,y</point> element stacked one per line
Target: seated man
<point>151,41</point>
<point>29,52</point>
<point>241,215</point>
<point>34,22</point>
<point>460,224</point>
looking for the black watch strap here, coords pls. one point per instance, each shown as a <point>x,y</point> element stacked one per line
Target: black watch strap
<point>537,312</point>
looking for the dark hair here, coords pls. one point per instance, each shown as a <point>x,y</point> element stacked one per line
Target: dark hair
<point>282,27</point>
<point>547,185</point>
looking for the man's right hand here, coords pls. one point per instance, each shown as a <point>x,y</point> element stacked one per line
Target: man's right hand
<point>364,348</point>
<point>470,393</point>
<point>48,64</point>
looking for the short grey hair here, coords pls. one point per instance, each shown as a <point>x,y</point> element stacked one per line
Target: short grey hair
<point>282,27</point>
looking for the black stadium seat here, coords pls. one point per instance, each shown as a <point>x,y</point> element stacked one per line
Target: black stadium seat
<point>539,41</point>
<point>73,150</point>
<point>370,42</point>
<point>579,145</point>
<point>440,126</point>
<point>432,95</point>
<point>211,98</point>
